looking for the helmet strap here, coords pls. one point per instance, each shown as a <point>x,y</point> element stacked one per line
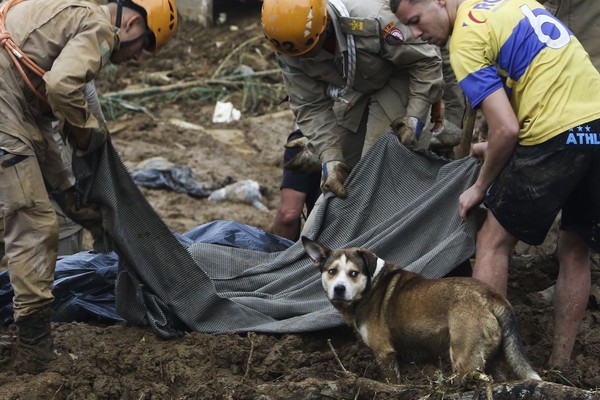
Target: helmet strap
<point>119,14</point>
<point>132,41</point>
<point>336,93</point>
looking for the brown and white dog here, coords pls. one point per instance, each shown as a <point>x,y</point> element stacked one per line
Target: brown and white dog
<point>404,316</point>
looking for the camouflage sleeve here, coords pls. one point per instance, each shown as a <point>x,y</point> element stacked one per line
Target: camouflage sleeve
<point>56,162</point>
<point>91,97</point>
<point>78,63</point>
<point>314,112</point>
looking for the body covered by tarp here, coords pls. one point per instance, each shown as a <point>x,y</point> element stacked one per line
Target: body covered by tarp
<point>84,283</point>
<point>402,205</point>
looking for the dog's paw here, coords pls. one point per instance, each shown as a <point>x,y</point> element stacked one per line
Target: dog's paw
<point>476,380</point>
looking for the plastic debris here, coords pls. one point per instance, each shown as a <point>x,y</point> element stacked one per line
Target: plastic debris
<point>225,112</point>
<point>159,173</point>
<point>246,191</point>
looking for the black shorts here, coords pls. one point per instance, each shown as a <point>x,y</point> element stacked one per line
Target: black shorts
<point>539,181</point>
<point>309,183</point>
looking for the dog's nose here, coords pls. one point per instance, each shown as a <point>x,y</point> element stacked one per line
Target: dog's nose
<point>339,290</point>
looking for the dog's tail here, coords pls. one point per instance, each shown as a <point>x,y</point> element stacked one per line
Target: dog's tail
<point>512,344</point>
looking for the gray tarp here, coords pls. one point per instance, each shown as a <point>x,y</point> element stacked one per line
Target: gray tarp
<point>402,205</point>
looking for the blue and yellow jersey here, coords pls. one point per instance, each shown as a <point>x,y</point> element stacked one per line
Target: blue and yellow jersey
<point>519,46</point>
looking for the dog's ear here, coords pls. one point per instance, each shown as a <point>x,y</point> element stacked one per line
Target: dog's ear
<point>370,260</point>
<point>316,251</point>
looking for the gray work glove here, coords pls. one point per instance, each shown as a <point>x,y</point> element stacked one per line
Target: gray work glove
<point>86,140</point>
<point>445,136</point>
<point>97,139</point>
<point>333,176</point>
<point>305,161</point>
<point>87,216</point>
<point>408,130</point>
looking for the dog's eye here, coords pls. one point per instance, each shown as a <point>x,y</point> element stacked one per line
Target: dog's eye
<point>331,271</point>
<point>353,274</point>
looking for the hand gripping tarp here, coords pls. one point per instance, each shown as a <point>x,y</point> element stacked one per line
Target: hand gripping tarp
<point>401,204</point>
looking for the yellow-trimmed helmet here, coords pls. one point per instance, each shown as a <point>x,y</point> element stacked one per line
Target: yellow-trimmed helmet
<point>161,19</point>
<point>293,27</point>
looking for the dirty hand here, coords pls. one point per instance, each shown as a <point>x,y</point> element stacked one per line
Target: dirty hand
<point>87,140</point>
<point>305,160</point>
<point>408,130</point>
<point>333,177</point>
<point>87,216</point>
<point>469,199</point>
<point>438,110</point>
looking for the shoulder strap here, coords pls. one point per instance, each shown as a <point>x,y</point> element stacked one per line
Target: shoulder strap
<point>15,52</point>
<point>359,26</point>
<point>335,92</point>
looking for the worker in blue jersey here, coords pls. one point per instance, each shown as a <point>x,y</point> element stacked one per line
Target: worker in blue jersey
<point>540,95</point>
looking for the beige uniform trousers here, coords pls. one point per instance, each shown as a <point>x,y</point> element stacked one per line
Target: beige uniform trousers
<point>583,19</point>
<point>374,121</point>
<point>454,99</point>
<point>30,235</point>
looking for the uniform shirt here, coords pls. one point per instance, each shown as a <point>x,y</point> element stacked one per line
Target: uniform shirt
<point>521,47</point>
<point>387,58</point>
<point>71,40</point>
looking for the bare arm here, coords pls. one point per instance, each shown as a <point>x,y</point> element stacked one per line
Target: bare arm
<point>502,138</point>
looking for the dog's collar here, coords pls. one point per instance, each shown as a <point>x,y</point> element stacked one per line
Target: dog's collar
<point>379,267</point>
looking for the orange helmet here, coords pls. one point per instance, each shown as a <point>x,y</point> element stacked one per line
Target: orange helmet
<point>161,19</point>
<point>293,27</point>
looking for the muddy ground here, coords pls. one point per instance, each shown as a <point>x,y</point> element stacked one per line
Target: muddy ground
<point>103,361</point>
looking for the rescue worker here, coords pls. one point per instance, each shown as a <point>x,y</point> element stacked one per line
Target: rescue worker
<point>543,150</point>
<point>70,233</point>
<point>61,46</point>
<point>582,17</point>
<point>298,189</point>
<point>350,69</point>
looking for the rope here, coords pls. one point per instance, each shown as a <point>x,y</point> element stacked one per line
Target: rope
<point>335,92</point>
<point>16,54</point>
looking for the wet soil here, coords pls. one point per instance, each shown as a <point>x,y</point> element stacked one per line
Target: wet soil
<point>120,361</point>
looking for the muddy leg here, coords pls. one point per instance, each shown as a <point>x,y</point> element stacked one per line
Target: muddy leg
<point>570,296</point>
<point>389,365</point>
<point>472,343</point>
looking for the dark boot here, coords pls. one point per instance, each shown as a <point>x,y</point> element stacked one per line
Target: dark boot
<point>35,347</point>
